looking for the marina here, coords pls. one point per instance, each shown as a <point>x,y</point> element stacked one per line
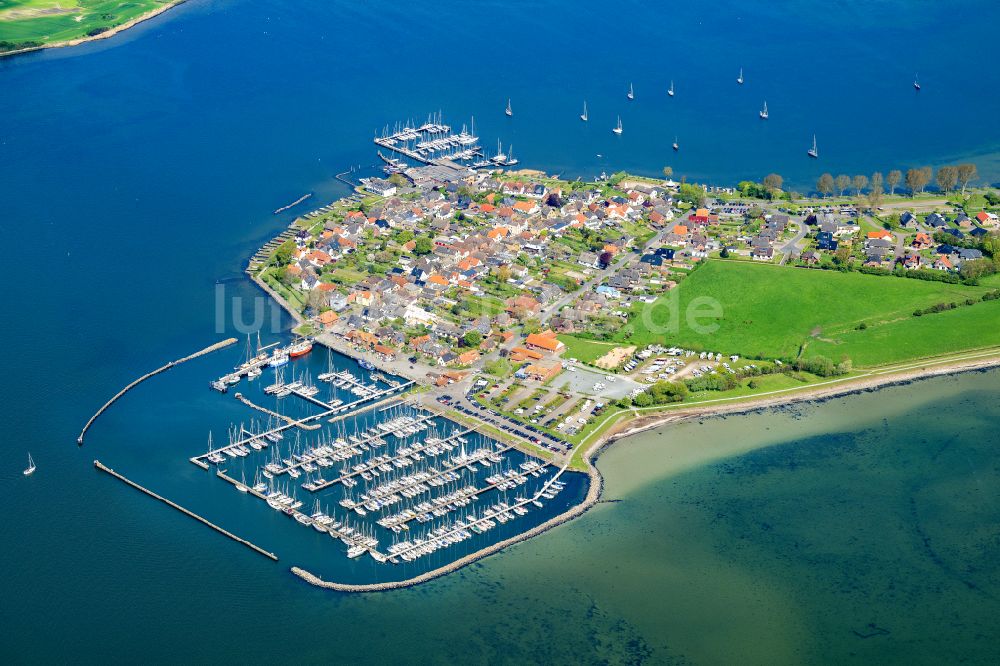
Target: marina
<point>435,143</point>
<point>387,480</point>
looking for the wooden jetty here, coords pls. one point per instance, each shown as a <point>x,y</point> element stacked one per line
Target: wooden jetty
<point>306,423</point>
<point>326,484</point>
<point>120,477</point>
<point>105,406</point>
<point>250,491</point>
<point>361,441</point>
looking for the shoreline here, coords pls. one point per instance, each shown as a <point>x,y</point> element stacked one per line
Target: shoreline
<point>110,32</point>
<point>640,424</point>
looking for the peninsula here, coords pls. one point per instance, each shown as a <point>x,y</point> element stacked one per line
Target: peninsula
<point>554,316</point>
<point>29,25</point>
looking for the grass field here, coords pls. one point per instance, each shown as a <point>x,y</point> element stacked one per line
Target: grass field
<point>52,21</point>
<point>585,351</point>
<point>770,311</point>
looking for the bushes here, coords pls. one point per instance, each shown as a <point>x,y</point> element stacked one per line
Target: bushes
<point>937,307</point>
<point>660,393</point>
<point>821,366</point>
<point>713,382</point>
<point>944,307</point>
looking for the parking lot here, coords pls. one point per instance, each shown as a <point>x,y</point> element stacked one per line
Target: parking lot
<point>583,380</point>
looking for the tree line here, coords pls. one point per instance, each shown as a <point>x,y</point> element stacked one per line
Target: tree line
<point>916,180</point>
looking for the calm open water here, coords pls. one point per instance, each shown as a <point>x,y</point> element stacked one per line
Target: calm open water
<point>140,171</point>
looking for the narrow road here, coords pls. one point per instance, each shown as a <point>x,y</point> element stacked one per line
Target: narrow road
<point>793,245</point>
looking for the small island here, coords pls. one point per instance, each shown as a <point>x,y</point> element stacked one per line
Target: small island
<point>29,25</point>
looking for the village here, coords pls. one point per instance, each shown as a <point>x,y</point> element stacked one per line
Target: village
<point>471,281</point>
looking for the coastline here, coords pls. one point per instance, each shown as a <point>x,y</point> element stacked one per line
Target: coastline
<point>640,424</point>
<point>110,32</point>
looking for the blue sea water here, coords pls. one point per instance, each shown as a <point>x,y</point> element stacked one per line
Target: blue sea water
<point>140,171</point>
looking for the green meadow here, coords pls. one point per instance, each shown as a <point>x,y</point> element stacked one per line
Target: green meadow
<point>769,311</point>
<point>36,22</point>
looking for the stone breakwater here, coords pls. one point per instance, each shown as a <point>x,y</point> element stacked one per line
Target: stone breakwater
<point>207,350</point>
<point>191,514</point>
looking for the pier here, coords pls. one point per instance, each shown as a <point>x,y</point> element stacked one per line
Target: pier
<point>294,513</point>
<point>307,423</point>
<point>191,514</point>
<point>289,421</point>
<point>389,461</point>
<point>358,441</point>
<point>207,350</point>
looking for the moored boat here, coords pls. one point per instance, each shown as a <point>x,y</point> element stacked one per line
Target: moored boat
<point>300,348</point>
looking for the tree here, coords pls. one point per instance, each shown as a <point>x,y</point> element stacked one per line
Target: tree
<point>668,172</point>
<point>283,255</point>
<point>976,268</point>
<point>772,182</point>
<point>843,181</point>
<point>825,185</point>
<point>422,245</point>
<point>605,259</point>
<point>877,180</point>
<point>531,325</point>
<point>893,180</point>
<point>692,194</point>
<point>966,174</point>
<point>916,180</point>
<point>317,299</point>
<point>397,179</point>
<point>860,182</point>
<point>472,338</point>
<point>947,177</point>
<point>875,196</point>
<point>927,175</point>
<point>875,190</point>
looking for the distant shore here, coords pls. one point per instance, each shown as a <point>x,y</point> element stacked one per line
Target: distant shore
<point>640,424</point>
<point>110,32</point>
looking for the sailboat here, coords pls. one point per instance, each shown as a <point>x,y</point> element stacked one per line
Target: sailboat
<point>618,129</point>
<point>813,152</point>
<point>631,93</point>
<point>739,79</point>
<point>676,146</point>
<point>583,116</point>
<point>508,110</point>
<point>671,91</point>
<point>916,82</point>
<point>763,112</point>
<point>31,466</point>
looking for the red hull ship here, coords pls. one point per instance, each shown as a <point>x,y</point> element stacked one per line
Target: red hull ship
<point>300,348</point>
